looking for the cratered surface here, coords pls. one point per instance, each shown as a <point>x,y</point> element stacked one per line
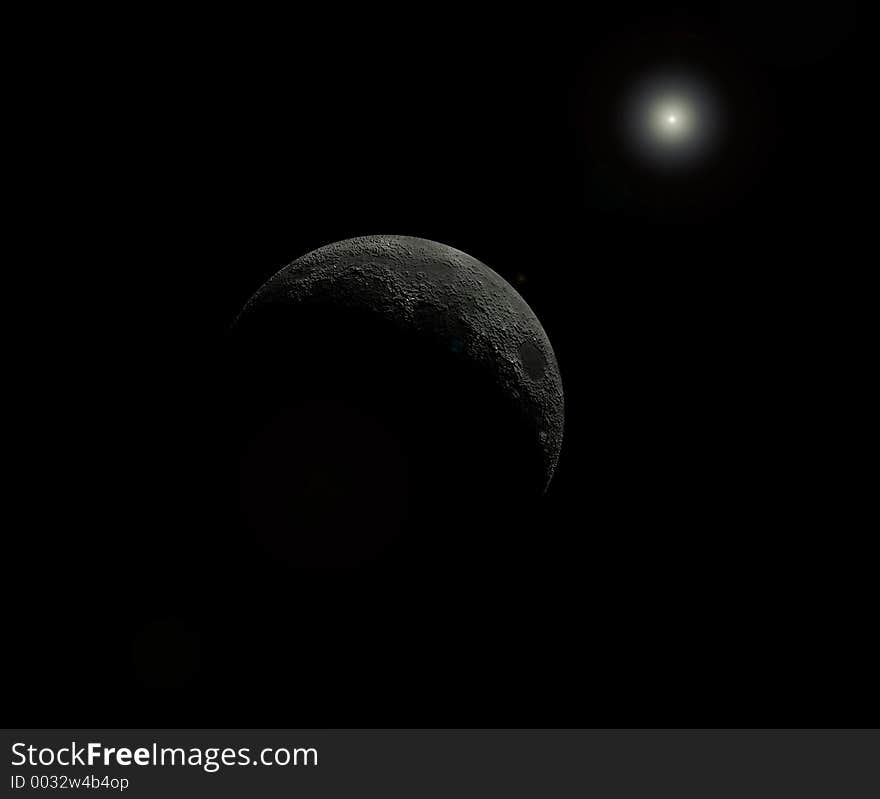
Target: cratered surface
<point>412,377</point>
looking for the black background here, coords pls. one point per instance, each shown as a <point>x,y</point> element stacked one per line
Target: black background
<point>702,556</point>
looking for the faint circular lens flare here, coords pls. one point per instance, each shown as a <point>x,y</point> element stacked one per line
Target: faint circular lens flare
<point>671,120</point>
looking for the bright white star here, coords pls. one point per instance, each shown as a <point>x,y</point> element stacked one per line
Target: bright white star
<point>671,119</point>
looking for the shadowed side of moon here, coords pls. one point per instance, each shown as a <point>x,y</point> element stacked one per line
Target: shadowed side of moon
<point>394,398</point>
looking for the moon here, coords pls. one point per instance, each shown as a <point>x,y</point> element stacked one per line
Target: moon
<point>402,389</point>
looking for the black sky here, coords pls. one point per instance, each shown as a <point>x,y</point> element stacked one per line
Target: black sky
<point>704,557</point>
